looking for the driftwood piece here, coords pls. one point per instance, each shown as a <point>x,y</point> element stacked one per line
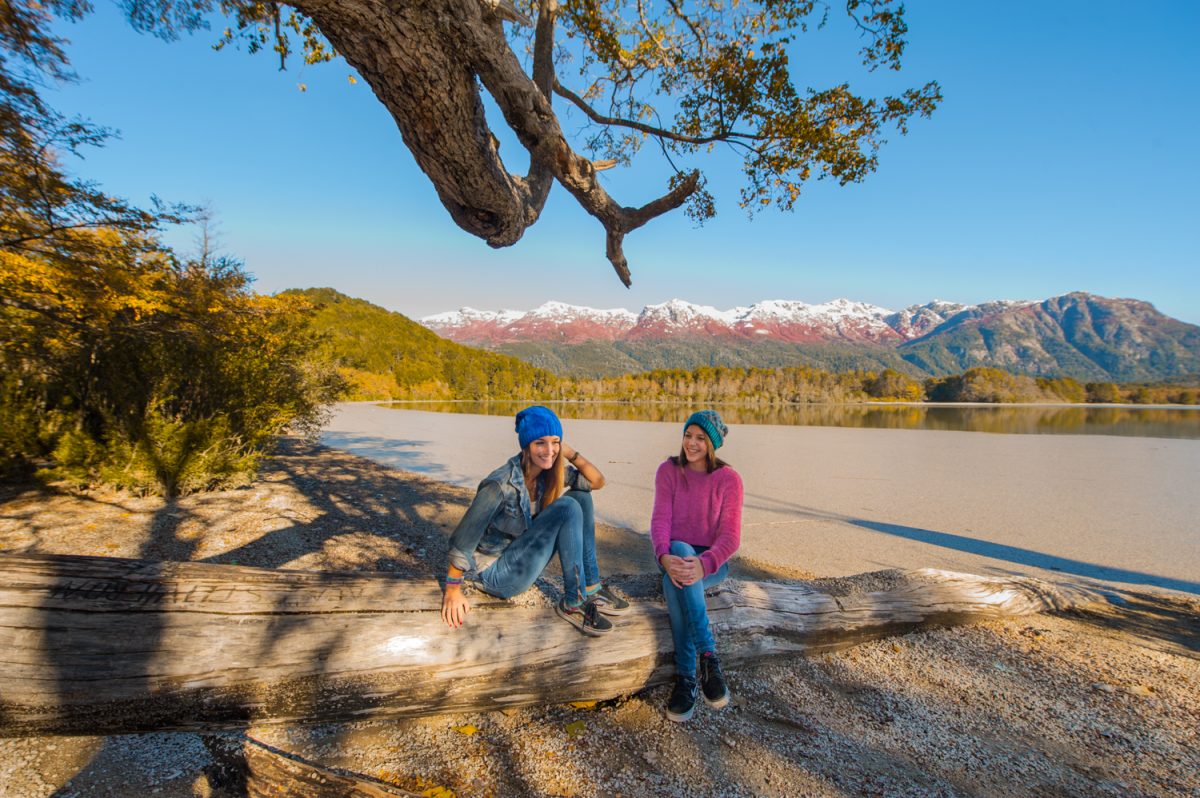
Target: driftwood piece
<point>92,645</point>
<point>272,773</point>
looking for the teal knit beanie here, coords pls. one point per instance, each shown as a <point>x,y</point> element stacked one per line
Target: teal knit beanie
<point>709,421</point>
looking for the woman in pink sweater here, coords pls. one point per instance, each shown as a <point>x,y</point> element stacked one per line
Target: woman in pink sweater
<point>696,528</point>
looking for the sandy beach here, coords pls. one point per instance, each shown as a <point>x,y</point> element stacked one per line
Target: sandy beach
<point>1089,705</point>
<point>836,501</point>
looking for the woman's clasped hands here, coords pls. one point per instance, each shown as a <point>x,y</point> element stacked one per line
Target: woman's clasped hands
<point>683,571</point>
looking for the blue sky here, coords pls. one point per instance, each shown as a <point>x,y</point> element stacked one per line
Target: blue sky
<point>1063,158</point>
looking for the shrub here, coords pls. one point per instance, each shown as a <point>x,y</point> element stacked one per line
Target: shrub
<point>127,367</point>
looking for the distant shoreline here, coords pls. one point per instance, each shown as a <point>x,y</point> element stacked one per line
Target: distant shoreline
<point>870,403</point>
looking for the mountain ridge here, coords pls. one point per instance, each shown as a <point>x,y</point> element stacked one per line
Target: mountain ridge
<point>1078,335</point>
<point>838,319</point>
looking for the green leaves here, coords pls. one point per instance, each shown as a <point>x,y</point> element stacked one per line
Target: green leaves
<point>269,26</point>
<point>721,68</point>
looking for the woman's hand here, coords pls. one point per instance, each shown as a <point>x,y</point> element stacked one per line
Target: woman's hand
<point>585,466</point>
<point>454,606</point>
<point>683,571</point>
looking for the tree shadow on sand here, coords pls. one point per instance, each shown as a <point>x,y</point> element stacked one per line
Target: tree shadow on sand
<point>1170,623</point>
<point>406,516</point>
<point>984,548</point>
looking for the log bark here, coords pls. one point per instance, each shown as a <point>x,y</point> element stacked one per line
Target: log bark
<point>92,645</point>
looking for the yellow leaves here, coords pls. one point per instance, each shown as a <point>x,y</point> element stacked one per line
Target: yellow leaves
<point>583,704</point>
<point>430,789</point>
<point>353,80</point>
<point>302,87</point>
<point>89,277</point>
<point>575,728</point>
<point>466,729</point>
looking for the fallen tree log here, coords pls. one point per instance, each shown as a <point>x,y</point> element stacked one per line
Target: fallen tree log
<point>92,645</point>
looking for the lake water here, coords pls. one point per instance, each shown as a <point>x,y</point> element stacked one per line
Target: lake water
<point>836,501</point>
<point>1145,422</point>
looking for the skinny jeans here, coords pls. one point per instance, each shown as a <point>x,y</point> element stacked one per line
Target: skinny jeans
<point>689,614</point>
<point>568,527</point>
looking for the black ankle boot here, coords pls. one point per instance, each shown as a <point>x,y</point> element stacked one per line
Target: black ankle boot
<point>682,702</point>
<point>712,681</point>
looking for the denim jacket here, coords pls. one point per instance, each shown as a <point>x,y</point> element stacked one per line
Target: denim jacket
<point>500,512</point>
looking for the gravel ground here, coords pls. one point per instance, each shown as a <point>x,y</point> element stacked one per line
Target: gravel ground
<point>1044,706</point>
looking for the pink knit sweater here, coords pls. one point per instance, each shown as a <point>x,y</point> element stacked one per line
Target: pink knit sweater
<point>697,508</point>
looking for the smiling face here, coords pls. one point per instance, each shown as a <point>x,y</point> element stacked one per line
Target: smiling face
<point>544,451</point>
<point>696,448</point>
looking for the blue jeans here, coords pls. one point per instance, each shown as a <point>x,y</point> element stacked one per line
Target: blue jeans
<point>689,614</point>
<point>568,527</point>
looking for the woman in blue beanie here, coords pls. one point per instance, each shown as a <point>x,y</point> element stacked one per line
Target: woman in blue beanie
<point>538,503</point>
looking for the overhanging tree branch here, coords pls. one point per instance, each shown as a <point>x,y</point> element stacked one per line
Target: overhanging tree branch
<point>731,136</point>
<point>715,65</point>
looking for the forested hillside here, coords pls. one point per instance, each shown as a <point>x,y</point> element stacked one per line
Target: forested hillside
<point>384,355</point>
<point>1077,335</point>
<point>610,359</point>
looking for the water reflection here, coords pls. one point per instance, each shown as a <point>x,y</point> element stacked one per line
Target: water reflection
<point>1181,422</point>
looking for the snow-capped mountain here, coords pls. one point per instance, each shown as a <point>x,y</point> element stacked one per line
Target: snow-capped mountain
<point>676,319</point>
<point>841,320</point>
<point>553,321</point>
<point>797,322</point>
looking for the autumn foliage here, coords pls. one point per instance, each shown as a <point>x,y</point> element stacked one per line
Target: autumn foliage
<point>124,365</point>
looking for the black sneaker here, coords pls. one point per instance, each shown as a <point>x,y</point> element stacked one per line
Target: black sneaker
<point>682,702</point>
<point>609,602</point>
<point>586,617</point>
<point>712,681</point>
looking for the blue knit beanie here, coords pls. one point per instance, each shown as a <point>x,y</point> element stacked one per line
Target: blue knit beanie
<point>711,423</point>
<point>537,422</point>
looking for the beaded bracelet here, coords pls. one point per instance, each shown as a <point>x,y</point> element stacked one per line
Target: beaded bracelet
<point>454,580</point>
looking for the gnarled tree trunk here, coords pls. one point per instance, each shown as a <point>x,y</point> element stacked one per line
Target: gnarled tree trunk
<point>95,645</point>
<point>425,61</point>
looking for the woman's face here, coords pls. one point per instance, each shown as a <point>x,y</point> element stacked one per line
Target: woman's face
<point>544,450</point>
<point>695,447</point>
